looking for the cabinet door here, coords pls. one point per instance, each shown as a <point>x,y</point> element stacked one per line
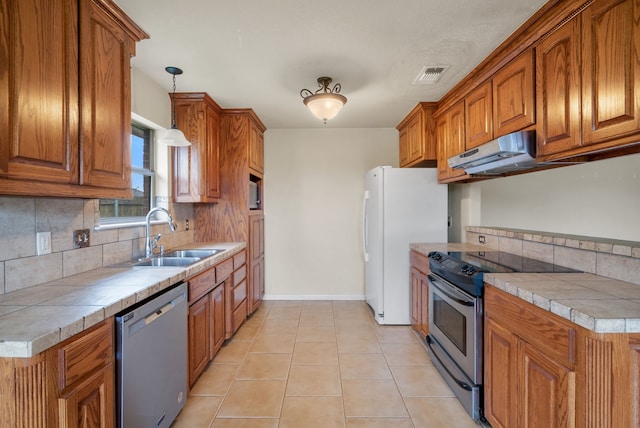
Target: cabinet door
<point>256,150</point>
<point>216,329</point>
<point>546,391</point>
<point>256,260</point>
<point>39,90</point>
<point>256,284</point>
<point>450,136</point>
<point>610,70</point>
<point>212,181</point>
<point>513,96</point>
<point>424,305</point>
<point>187,161</point>
<point>500,351</point>
<point>415,298</point>
<point>199,321</point>
<point>478,108</point>
<point>91,404</point>
<point>105,99</point>
<point>415,140</point>
<point>403,144</point>
<point>456,136</point>
<point>558,90</point>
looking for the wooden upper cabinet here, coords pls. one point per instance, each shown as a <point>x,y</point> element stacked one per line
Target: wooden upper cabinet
<point>611,71</point>
<point>256,150</point>
<point>417,139</point>
<point>514,96</point>
<point>451,142</point>
<point>196,168</point>
<point>39,90</point>
<point>105,99</point>
<point>558,90</point>
<point>65,98</point>
<point>478,108</point>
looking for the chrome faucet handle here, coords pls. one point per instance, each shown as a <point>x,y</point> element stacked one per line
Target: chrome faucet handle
<point>154,242</point>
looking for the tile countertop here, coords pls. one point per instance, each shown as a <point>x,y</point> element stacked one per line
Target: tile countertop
<point>36,318</point>
<point>597,303</point>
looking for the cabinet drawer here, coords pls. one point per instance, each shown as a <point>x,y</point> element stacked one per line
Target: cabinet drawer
<point>239,275</point>
<point>224,269</point>
<point>239,315</point>
<point>419,261</point>
<point>239,259</point>
<point>80,357</point>
<point>201,284</point>
<point>542,329</point>
<point>239,293</point>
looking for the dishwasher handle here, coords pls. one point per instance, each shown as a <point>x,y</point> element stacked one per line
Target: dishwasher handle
<point>155,315</point>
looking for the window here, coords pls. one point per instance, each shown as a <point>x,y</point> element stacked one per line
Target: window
<point>127,210</point>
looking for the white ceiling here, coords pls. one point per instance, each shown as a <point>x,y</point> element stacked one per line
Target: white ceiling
<point>260,54</point>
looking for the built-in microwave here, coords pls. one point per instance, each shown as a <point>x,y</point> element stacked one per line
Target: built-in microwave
<point>254,196</point>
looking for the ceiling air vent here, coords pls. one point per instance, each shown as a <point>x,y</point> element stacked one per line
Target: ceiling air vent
<point>430,74</point>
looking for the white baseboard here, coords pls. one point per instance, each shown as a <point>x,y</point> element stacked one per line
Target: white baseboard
<point>312,297</point>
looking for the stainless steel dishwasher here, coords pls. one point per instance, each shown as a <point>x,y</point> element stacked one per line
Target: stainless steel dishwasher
<point>151,358</point>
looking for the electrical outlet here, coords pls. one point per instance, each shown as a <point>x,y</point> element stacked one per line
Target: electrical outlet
<point>81,238</point>
<point>43,243</point>
<point>481,239</point>
<point>187,224</point>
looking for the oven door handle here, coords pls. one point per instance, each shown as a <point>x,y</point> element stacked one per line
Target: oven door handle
<point>461,384</point>
<point>434,281</point>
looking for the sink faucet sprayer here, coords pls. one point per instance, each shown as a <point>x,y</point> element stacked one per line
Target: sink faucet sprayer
<point>150,243</point>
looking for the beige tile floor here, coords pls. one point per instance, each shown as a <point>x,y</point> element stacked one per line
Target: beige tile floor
<point>321,364</point>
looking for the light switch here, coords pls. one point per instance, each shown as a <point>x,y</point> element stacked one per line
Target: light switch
<point>43,243</point>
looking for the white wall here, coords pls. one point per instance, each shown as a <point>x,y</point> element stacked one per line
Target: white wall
<point>314,183</point>
<point>598,199</point>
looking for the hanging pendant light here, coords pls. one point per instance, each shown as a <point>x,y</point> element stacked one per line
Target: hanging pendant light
<point>173,136</point>
<point>325,103</point>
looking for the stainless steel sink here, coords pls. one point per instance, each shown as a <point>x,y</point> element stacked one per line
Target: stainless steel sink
<point>202,253</point>
<point>167,261</point>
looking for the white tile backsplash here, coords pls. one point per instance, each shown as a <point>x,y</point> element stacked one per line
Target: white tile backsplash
<point>29,271</point>
<point>611,258</point>
<point>21,218</point>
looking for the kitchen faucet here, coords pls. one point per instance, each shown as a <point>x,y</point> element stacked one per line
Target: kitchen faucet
<point>150,244</point>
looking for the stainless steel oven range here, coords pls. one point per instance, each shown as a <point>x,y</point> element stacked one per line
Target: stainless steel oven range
<point>455,327</point>
<point>455,339</point>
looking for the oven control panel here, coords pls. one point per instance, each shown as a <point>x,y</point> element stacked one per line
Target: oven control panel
<point>458,272</point>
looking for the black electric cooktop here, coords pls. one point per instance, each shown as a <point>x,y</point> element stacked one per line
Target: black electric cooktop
<point>466,269</point>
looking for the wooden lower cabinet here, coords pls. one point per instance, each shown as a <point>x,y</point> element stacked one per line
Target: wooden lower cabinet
<point>198,337</point>
<point>69,385</point>
<point>86,378</point>
<point>216,320</point>
<point>419,293</point>
<point>523,386</point>
<point>236,299</point>
<point>419,302</point>
<point>91,403</point>
<point>256,260</point>
<point>541,370</point>
<point>217,309</point>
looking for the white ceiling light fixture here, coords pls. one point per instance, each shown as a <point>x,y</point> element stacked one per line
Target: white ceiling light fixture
<point>173,136</point>
<point>325,103</point>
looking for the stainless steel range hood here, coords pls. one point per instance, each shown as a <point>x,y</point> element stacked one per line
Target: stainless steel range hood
<point>509,153</point>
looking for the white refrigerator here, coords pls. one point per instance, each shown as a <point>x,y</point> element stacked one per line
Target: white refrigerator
<point>401,206</point>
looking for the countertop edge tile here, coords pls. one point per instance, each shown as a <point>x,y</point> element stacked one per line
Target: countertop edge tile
<point>564,308</point>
